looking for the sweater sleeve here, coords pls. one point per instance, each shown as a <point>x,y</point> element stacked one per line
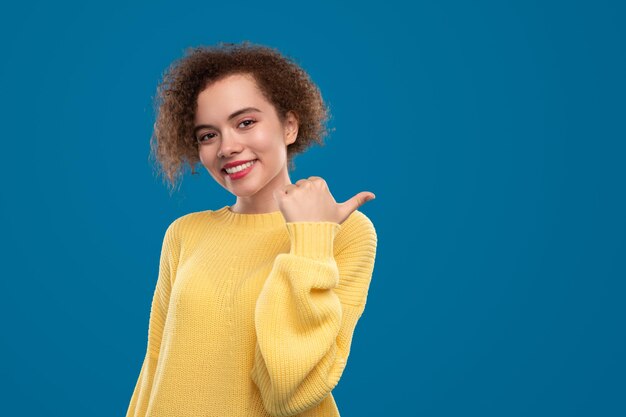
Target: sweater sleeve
<point>307,312</point>
<point>170,249</point>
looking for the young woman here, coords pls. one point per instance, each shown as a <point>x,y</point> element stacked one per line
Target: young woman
<point>256,303</point>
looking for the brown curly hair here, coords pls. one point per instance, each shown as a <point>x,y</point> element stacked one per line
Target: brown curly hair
<point>280,79</point>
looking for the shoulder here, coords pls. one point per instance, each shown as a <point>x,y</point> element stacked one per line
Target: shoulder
<point>357,229</point>
<point>179,226</point>
<point>358,222</point>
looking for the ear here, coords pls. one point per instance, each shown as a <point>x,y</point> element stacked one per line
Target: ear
<point>291,127</point>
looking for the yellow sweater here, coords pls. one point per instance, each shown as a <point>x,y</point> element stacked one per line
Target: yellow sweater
<point>253,316</point>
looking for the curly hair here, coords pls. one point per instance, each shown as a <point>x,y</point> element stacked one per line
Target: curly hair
<point>279,78</point>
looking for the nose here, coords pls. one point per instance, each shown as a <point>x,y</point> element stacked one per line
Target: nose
<point>229,146</point>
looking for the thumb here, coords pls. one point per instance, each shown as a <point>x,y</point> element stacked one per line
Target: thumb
<point>357,201</point>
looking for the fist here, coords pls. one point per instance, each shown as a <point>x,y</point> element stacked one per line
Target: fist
<point>310,200</point>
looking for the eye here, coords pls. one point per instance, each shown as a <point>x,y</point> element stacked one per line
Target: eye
<point>199,139</point>
<point>247,120</point>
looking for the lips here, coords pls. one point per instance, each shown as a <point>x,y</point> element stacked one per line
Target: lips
<point>241,173</point>
<point>236,163</point>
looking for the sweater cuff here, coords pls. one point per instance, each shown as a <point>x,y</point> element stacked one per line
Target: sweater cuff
<point>313,239</point>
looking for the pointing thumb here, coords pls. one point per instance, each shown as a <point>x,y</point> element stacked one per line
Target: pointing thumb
<point>357,201</point>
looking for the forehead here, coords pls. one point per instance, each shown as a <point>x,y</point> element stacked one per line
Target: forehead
<point>229,94</point>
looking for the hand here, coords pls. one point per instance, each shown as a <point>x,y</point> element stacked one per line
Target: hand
<point>310,200</point>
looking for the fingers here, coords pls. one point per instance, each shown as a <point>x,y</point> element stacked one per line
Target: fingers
<point>311,180</point>
<point>302,183</point>
<point>283,191</point>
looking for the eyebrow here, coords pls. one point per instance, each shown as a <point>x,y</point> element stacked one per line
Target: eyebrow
<point>232,116</point>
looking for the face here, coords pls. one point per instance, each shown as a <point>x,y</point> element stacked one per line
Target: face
<point>235,122</point>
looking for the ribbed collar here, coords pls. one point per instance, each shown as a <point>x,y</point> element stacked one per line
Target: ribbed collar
<point>249,221</point>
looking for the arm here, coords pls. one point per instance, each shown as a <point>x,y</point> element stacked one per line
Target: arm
<point>307,311</point>
<point>158,312</point>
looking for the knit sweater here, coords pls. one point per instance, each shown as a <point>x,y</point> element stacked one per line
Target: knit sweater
<point>252,315</point>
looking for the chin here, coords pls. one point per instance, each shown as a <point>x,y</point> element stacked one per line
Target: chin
<point>242,191</point>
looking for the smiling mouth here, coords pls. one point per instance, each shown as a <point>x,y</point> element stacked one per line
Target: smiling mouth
<point>233,173</point>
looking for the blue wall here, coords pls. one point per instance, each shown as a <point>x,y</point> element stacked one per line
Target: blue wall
<point>492,134</point>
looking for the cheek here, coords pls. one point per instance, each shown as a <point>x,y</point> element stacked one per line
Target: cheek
<point>266,142</point>
<point>258,140</point>
<point>204,158</point>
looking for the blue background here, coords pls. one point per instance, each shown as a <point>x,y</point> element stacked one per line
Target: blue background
<point>492,134</point>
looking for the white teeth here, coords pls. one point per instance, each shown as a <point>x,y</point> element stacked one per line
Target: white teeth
<point>239,167</point>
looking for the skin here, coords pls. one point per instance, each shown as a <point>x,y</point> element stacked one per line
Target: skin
<point>260,135</point>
